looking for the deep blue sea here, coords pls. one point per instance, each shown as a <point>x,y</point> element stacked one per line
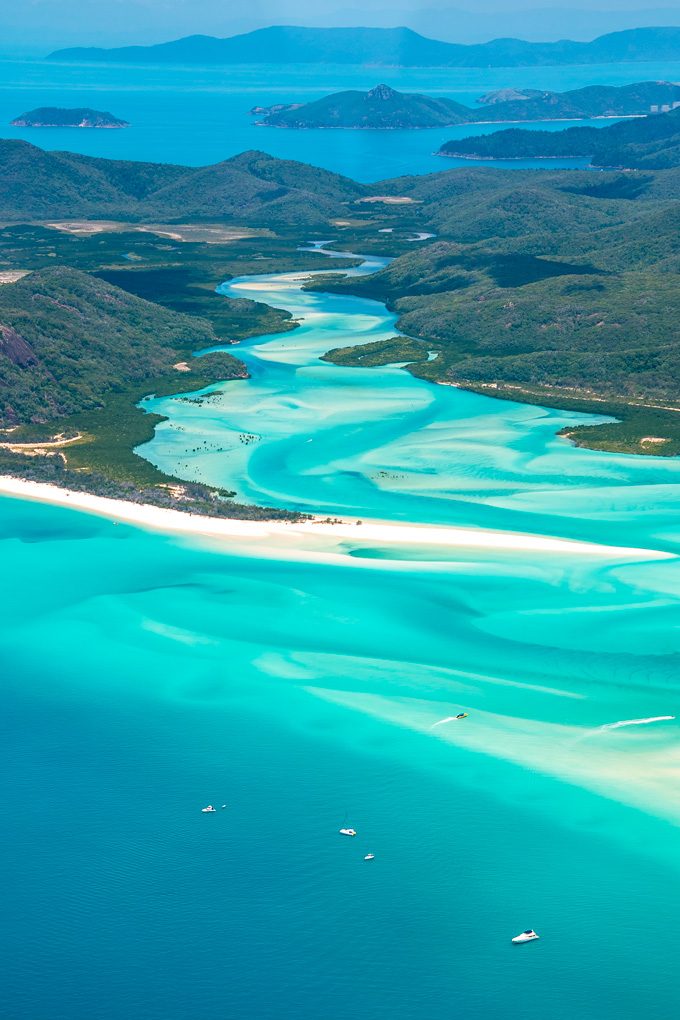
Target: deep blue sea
<point>310,684</point>
<point>197,116</point>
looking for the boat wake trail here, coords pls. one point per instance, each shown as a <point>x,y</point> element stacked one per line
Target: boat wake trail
<point>625,722</point>
<point>449,718</point>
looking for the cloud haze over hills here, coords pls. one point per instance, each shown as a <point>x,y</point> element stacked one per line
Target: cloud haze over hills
<point>38,25</point>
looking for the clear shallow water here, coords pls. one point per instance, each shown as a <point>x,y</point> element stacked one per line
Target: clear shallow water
<point>197,116</point>
<point>144,676</point>
<point>147,675</point>
<point>306,435</point>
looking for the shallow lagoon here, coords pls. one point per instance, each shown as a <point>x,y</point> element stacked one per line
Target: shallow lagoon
<point>147,675</point>
<point>307,435</point>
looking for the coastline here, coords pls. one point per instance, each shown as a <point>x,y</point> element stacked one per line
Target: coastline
<point>317,535</point>
<point>438,127</point>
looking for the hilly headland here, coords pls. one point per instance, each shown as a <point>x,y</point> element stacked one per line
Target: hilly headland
<point>384,108</point>
<point>651,143</point>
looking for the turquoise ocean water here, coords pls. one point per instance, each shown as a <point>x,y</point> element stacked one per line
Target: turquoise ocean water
<point>195,116</point>
<point>146,675</point>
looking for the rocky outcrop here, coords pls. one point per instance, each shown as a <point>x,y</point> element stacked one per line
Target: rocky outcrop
<point>14,347</point>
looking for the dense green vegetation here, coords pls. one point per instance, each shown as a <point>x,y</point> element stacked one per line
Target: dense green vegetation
<point>386,46</point>
<point>56,116</point>
<point>76,356</point>
<point>553,286</point>
<point>68,339</point>
<point>250,189</point>
<point>180,275</point>
<point>590,101</point>
<point>558,288</point>
<point>384,108</point>
<point>382,352</point>
<point>651,143</point>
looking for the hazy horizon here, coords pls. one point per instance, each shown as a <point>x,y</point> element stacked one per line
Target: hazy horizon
<point>38,26</point>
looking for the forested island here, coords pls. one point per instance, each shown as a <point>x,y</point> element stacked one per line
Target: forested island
<point>387,47</point>
<point>58,117</point>
<point>556,288</point>
<point>383,108</point>
<point>651,142</point>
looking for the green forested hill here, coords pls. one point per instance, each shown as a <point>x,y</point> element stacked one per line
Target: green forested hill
<point>651,142</point>
<point>67,339</point>
<point>249,188</point>
<point>553,287</point>
<point>381,108</point>
<point>590,101</point>
<point>35,184</point>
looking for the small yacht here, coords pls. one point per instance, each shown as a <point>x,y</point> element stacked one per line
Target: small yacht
<point>208,810</point>
<point>527,936</point>
<point>462,715</point>
<point>348,832</point>
<point>369,857</point>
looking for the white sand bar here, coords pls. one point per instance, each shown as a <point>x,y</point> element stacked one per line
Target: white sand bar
<point>316,535</point>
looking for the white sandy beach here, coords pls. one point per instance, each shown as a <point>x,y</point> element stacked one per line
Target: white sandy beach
<point>316,535</point>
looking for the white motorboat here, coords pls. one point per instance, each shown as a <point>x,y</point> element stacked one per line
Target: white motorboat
<point>348,832</point>
<point>208,810</point>
<point>527,936</point>
<point>369,857</point>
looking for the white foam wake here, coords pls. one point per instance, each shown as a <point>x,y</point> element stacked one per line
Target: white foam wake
<point>627,722</point>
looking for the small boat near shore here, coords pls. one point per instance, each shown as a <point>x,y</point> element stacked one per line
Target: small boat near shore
<point>526,936</point>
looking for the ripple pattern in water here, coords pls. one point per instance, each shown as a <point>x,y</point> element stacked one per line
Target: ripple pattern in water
<point>145,676</point>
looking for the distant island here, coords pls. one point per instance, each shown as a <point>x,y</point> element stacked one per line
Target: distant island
<point>383,108</point>
<point>386,47</point>
<point>57,117</point>
<point>634,100</point>
<point>506,95</point>
<point>646,143</point>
